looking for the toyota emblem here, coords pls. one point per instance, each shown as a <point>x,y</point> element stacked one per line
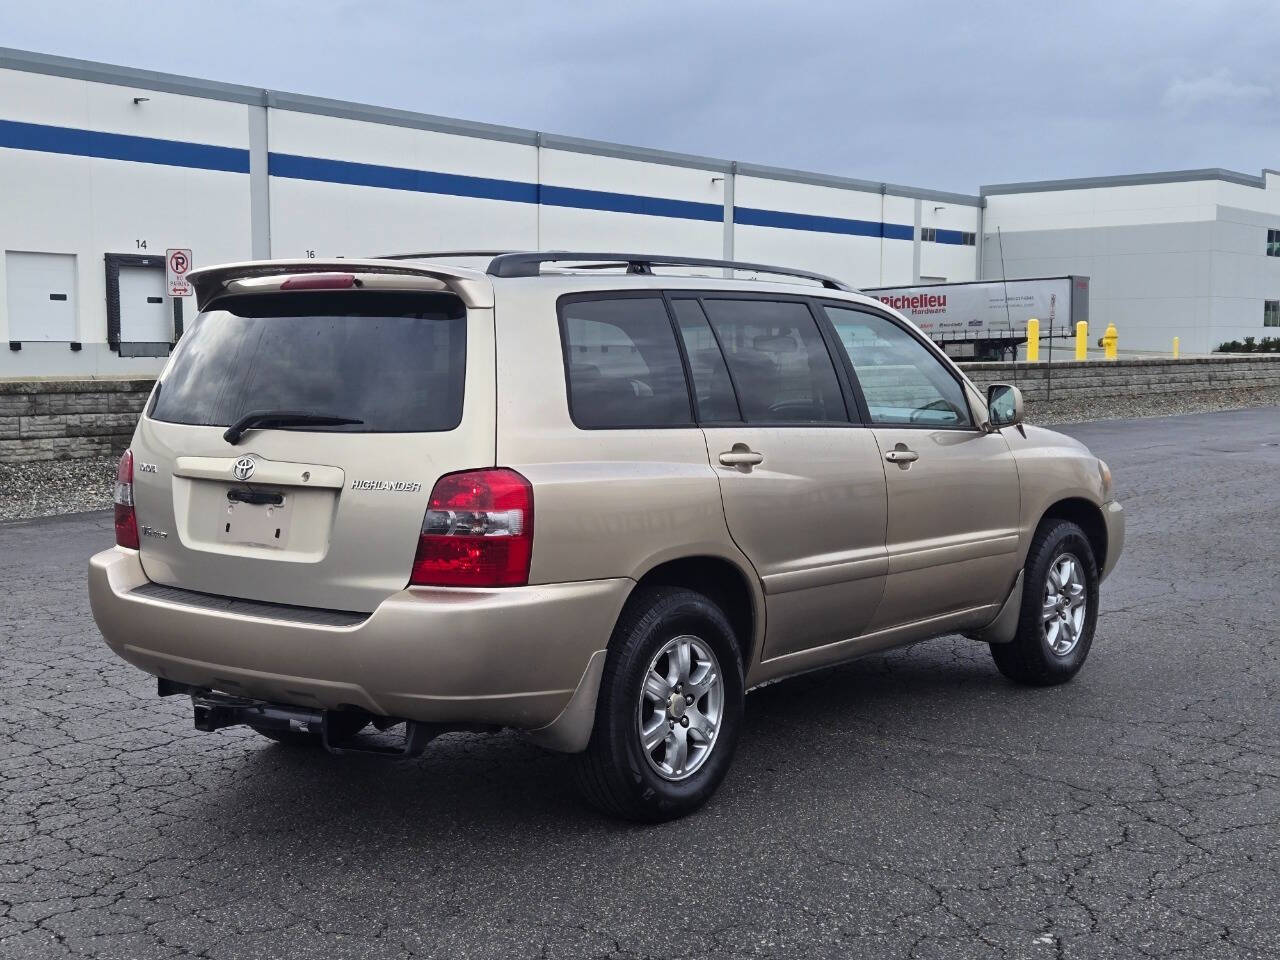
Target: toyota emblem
<point>243,468</point>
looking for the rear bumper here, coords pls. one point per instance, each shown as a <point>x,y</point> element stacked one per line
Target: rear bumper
<point>515,656</point>
<point>1113,517</point>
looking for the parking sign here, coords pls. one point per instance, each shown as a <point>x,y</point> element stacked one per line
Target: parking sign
<point>177,261</point>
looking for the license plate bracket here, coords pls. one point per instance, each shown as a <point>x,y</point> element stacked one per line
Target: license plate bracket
<point>257,524</point>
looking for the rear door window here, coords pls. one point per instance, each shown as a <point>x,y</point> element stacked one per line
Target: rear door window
<point>396,361</point>
<point>622,364</point>
<point>778,360</point>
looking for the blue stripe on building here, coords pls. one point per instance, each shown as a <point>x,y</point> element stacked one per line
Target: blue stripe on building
<point>201,156</point>
<point>780,219</point>
<point>630,203</point>
<point>399,178</point>
<point>118,146</point>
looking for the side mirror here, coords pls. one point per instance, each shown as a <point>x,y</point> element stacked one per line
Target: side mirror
<point>1004,405</point>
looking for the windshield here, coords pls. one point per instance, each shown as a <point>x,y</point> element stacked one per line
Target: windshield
<point>395,361</point>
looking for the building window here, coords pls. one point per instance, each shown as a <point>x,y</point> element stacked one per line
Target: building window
<point>929,234</point>
<point>969,239</point>
<point>1271,313</point>
<point>1273,243</point>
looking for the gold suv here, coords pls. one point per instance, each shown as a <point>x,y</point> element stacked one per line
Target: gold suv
<point>567,494</point>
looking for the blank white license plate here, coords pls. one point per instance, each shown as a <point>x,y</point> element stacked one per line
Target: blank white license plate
<point>257,525</point>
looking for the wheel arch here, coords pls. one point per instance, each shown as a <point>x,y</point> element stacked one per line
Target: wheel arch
<point>1087,515</point>
<point>735,591</point>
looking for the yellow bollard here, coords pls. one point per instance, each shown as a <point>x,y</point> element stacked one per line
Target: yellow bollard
<point>1176,348</point>
<point>1109,340</point>
<point>1082,340</point>
<point>1033,340</point>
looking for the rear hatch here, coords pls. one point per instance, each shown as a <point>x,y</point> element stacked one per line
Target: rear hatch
<point>298,510</point>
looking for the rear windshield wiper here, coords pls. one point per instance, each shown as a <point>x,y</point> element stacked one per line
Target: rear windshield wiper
<point>282,418</point>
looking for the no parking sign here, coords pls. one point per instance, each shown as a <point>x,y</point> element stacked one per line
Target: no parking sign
<point>177,262</point>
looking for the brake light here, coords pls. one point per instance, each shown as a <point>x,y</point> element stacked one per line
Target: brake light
<point>126,520</point>
<point>320,281</point>
<point>477,532</point>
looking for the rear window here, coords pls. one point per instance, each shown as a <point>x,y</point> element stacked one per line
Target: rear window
<point>396,361</point>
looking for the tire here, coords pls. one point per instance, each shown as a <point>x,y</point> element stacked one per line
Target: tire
<point>344,725</point>
<point>1050,647</point>
<point>617,774</point>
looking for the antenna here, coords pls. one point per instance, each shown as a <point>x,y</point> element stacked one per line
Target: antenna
<point>1004,283</point>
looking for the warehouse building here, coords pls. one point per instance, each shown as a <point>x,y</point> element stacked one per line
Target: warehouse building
<point>106,168</point>
<point>1193,254</point>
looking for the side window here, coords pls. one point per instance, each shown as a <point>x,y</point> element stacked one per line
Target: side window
<point>622,363</point>
<point>778,360</point>
<point>901,380</point>
<point>712,388</point>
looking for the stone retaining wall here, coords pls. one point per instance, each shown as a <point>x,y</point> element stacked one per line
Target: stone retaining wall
<point>68,419</point>
<point>74,419</point>
<point>1121,378</point>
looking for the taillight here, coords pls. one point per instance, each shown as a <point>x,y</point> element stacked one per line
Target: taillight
<point>126,521</point>
<point>478,531</point>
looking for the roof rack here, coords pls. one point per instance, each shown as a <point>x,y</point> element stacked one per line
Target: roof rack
<point>439,254</point>
<point>529,264</point>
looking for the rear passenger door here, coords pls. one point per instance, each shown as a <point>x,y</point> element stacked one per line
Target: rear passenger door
<point>953,488</point>
<point>801,480</point>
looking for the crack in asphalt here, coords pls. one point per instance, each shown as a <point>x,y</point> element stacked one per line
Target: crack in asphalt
<point>912,804</point>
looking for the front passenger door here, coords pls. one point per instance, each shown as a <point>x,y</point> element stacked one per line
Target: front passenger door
<point>953,488</point>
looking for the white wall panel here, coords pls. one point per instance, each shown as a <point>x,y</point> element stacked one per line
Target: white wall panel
<point>897,260</point>
<point>948,216</point>
<point>567,228</point>
<point>359,141</point>
<point>1101,207</point>
<point>333,219</point>
<point>855,260</point>
<point>808,198</point>
<point>66,102</point>
<point>1250,198</point>
<point>953,261</point>
<point>615,175</point>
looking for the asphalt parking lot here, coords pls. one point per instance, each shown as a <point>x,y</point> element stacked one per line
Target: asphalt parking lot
<point>913,804</point>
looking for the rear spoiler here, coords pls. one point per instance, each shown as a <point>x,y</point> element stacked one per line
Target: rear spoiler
<point>471,286</point>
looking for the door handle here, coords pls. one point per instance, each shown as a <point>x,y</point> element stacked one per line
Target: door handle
<point>741,456</point>
<point>902,456</point>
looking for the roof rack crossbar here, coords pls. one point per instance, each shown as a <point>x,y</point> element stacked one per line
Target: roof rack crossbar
<point>529,264</point>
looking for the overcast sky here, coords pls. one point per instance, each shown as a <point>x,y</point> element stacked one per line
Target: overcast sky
<point>933,93</point>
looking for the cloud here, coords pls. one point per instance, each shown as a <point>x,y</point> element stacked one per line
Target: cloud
<point>1214,89</point>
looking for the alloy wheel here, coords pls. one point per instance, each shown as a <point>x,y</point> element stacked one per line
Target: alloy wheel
<point>681,706</point>
<point>1066,603</point>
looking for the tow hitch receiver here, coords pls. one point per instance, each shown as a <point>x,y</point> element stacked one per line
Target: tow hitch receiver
<point>213,711</point>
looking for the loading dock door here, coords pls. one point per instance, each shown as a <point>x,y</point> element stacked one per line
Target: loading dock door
<point>41,296</point>
<point>146,319</point>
